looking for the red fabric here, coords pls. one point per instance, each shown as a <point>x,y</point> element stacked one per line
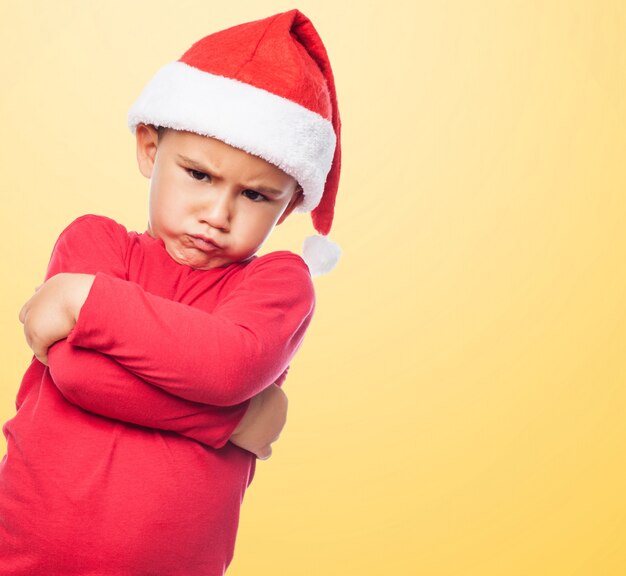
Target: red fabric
<point>282,54</point>
<point>116,464</point>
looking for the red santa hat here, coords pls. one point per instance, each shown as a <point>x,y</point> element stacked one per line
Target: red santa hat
<point>265,87</point>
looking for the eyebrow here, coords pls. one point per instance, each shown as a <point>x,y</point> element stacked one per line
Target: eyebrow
<point>201,168</point>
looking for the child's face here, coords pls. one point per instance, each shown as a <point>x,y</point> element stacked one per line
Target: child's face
<point>210,203</point>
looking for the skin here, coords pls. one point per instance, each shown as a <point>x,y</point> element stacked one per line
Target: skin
<point>200,188</point>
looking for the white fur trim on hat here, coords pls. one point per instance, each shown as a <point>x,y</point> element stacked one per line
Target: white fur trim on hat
<point>295,139</point>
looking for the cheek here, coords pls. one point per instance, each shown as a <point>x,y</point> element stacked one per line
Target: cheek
<point>261,219</point>
<point>167,201</point>
<point>164,211</point>
<point>262,227</point>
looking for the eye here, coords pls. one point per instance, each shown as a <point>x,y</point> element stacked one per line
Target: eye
<point>197,175</point>
<point>254,195</point>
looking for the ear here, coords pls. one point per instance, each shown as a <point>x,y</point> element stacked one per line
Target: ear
<point>295,200</point>
<point>147,143</point>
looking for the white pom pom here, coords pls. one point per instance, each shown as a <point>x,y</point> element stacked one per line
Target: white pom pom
<point>320,254</point>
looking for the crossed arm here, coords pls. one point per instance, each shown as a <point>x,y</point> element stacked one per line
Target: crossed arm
<point>108,389</point>
<point>121,387</point>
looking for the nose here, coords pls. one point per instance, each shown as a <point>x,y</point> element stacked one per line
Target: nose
<point>217,211</point>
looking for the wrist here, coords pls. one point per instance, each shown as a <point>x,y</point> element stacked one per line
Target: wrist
<point>76,290</point>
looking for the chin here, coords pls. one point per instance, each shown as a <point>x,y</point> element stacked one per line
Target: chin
<point>204,265</point>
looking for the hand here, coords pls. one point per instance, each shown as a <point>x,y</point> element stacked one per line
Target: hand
<point>51,312</point>
<point>263,422</point>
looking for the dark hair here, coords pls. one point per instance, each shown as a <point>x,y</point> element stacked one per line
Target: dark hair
<point>161,132</point>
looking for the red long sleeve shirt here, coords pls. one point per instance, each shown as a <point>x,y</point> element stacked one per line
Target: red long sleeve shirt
<point>118,460</point>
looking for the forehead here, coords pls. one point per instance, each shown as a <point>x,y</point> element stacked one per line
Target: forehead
<point>216,155</point>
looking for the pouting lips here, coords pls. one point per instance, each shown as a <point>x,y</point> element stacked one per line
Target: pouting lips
<point>204,244</point>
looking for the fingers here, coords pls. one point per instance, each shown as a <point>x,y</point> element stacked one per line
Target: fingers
<point>276,395</point>
<point>262,423</point>
<point>264,453</point>
<point>40,351</point>
<point>23,312</point>
<point>24,309</point>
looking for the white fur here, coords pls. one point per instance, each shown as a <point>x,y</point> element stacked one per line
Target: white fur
<point>320,254</point>
<point>300,142</point>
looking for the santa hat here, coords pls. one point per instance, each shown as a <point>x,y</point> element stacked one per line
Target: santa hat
<point>265,87</point>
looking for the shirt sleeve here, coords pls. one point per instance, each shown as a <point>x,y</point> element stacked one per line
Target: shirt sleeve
<point>90,244</point>
<point>96,382</point>
<point>222,358</point>
<point>107,389</point>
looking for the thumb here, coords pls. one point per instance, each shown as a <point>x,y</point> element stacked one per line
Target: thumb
<point>264,453</point>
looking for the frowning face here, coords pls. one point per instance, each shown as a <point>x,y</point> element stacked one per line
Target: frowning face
<point>210,203</point>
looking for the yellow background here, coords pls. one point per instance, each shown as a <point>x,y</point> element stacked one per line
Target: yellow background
<point>458,407</point>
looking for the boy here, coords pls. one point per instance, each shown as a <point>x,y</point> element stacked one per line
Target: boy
<point>158,355</point>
